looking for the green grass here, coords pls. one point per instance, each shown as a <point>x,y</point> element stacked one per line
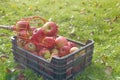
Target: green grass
<point>90,19</point>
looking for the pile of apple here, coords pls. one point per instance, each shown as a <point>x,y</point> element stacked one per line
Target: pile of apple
<point>43,41</point>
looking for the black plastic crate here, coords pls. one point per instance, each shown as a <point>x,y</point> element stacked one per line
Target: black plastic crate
<point>64,68</point>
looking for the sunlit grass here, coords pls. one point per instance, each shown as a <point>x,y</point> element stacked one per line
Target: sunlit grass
<point>91,19</point>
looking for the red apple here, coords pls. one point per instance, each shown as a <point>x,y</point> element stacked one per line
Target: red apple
<point>48,42</point>
<point>61,41</point>
<point>22,25</point>
<point>45,53</point>
<point>30,47</point>
<point>72,44</point>
<point>64,51</point>
<point>31,31</point>
<point>38,36</point>
<point>73,49</point>
<point>23,34</point>
<point>35,30</point>
<point>39,46</point>
<point>50,28</point>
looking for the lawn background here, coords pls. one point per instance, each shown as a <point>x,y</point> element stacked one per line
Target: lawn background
<point>79,20</point>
